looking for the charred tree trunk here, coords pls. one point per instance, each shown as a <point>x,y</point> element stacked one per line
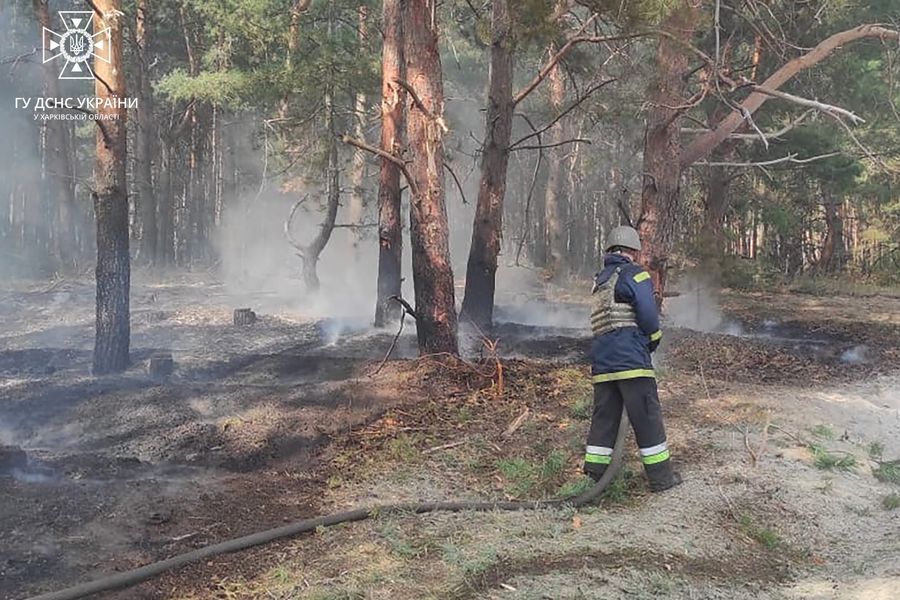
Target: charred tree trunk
<point>358,167</point>
<point>58,175</point>
<point>110,196</point>
<point>436,322</point>
<point>145,137</point>
<point>554,197</point>
<point>662,146</point>
<point>478,303</point>
<point>390,229</point>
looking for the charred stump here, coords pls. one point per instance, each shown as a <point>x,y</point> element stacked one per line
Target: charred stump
<point>244,316</point>
<point>161,366</point>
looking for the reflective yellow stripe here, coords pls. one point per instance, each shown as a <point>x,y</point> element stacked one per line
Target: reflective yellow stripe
<point>656,335</point>
<point>642,276</point>
<point>632,374</point>
<point>597,459</point>
<point>656,458</point>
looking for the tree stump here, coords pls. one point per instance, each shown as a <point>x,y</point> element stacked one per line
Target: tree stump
<point>12,457</point>
<point>244,316</point>
<point>161,365</point>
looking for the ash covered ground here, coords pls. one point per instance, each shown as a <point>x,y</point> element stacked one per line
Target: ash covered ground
<point>105,474</point>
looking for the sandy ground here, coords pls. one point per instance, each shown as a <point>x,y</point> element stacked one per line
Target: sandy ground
<point>268,423</point>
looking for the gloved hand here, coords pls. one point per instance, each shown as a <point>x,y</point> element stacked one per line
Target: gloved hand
<point>653,346</point>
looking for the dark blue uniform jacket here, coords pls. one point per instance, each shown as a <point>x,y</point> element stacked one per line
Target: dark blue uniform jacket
<point>624,353</point>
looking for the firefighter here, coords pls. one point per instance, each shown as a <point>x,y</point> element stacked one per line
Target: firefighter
<point>625,325</point>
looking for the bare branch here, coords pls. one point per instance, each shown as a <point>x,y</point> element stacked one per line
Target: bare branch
<point>829,109</point>
<point>563,51</point>
<point>545,146</point>
<point>752,137</point>
<point>458,184</point>
<point>562,114</point>
<point>385,155</point>
<point>790,158</point>
<point>703,145</point>
<point>300,248</point>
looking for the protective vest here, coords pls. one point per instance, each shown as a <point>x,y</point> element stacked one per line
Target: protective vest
<point>608,314</point>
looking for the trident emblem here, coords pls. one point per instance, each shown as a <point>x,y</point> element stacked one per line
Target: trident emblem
<point>77,44</point>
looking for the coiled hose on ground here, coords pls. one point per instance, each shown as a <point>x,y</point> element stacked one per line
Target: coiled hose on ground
<point>135,576</point>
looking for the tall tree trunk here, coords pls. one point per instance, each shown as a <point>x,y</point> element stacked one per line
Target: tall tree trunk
<point>429,232</point>
<point>712,233</point>
<point>166,217</point>
<point>111,199</point>
<point>145,136</point>
<point>833,256</point>
<point>662,145</point>
<point>310,253</point>
<point>555,212</point>
<point>487,231</point>
<point>358,167</point>
<point>390,229</point>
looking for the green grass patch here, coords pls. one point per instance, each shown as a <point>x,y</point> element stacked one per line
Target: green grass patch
<point>822,431</point>
<point>830,461</point>
<point>876,450</point>
<point>471,563</point>
<point>397,541</point>
<point>583,408</point>
<point>524,477</point>
<point>765,536</point>
<point>621,489</point>
<point>888,472</point>
<point>570,489</point>
<point>403,448</point>
<point>891,502</point>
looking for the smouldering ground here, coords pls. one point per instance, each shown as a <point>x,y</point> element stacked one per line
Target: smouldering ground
<point>782,432</point>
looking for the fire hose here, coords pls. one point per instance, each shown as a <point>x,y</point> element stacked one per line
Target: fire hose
<point>134,576</point>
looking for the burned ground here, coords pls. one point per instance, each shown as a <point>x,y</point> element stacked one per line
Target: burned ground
<point>283,419</point>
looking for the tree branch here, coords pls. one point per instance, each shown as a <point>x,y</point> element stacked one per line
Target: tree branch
<point>563,51</point>
<point>752,137</point>
<point>556,119</point>
<point>415,97</point>
<point>829,109</point>
<point>703,145</point>
<point>458,184</point>
<point>545,146</point>
<point>385,155</point>
<point>790,158</point>
<point>300,248</point>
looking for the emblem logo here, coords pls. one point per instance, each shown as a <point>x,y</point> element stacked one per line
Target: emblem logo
<point>77,44</point>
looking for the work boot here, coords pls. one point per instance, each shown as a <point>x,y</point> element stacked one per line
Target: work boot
<point>594,471</point>
<point>662,476</point>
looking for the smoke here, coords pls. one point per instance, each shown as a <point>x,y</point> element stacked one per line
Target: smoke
<point>697,305</point>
